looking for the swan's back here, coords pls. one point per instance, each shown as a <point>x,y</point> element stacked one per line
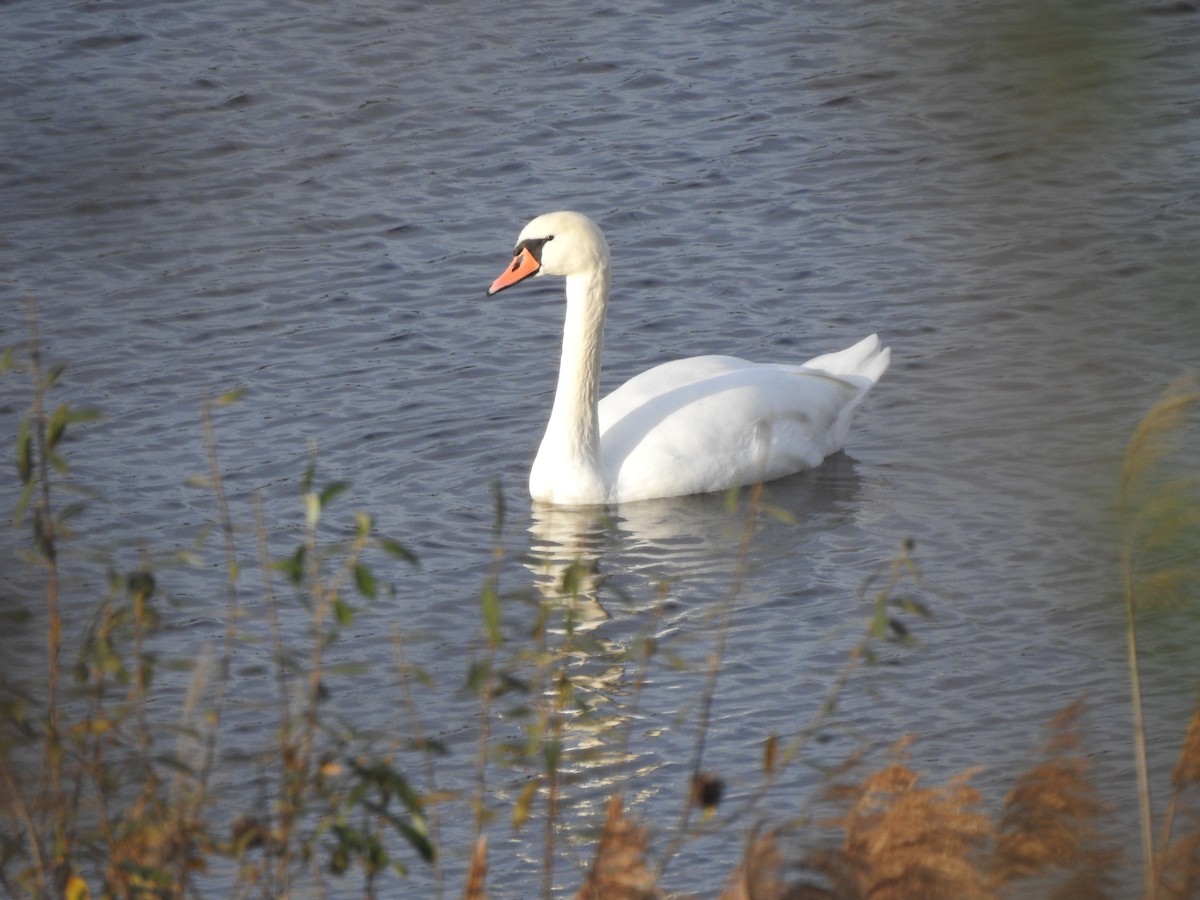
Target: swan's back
<point>713,422</point>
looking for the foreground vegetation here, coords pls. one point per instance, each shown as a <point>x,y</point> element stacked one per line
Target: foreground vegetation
<point>94,804</point>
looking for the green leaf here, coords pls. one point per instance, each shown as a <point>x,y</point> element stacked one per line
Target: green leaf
<point>419,841</point>
<point>293,566</point>
<point>900,630</point>
<point>524,804</point>
<point>140,584</point>
<point>362,525</point>
<point>85,415</point>
<point>575,577</point>
<point>54,374</point>
<point>58,463</point>
<point>18,616</point>
<point>879,621</point>
<point>778,513</point>
<point>41,537</point>
<point>332,492</point>
<point>71,511</point>
<point>312,510</point>
<point>63,416</point>
<point>348,841</point>
<point>429,745</point>
<point>148,664</point>
<point>477,676</point>
<point>552,753</point>
<point>365,581</point>
<point>376,858</point>
<point>913,606</point>
<point>58,425</point>
<point>510,683</point>
<point>499,508</point>
<point>396,549</point>
<point>25,451</point>
<point>23,502</point>
<point>342,612</point>
<point>490,602</point>
<point>231,396</point>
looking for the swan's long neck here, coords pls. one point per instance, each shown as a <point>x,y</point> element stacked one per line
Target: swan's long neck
<point>571,446</point>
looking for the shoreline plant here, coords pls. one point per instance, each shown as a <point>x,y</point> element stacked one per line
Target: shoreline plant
<point>101,797</point>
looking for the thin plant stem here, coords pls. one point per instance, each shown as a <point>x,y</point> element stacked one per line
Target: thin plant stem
<point>45,536</point>
<point>1146,446</point>
<point>552,752</point>
<point>1139,727</point>
<point>277,863</point>
<point>858,653</point>
<point>141,588</point>
<point>708,692</point>
<point>490,599</point>
<point>1164,842</point>
<point>99,736</point>
<point>208,759</point>
<point>410,705</point>
<point>639,681</point>
<point>17,801</point>
<point>548,834</point>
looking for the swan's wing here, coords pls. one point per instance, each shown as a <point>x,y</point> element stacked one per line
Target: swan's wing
<point>707,423</point>
<point>669,376</point>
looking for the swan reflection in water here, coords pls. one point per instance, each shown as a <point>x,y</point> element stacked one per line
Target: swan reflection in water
<point>611,578</point>
<point>695,538</point>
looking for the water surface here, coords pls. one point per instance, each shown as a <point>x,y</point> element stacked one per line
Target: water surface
<point>308,200</point>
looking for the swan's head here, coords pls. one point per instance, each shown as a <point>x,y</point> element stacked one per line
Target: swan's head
<point>557,243</point>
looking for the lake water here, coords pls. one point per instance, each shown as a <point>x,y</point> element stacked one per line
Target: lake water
<point>307,201</point>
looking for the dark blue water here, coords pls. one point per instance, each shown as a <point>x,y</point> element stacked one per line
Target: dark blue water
<point>307,201</point>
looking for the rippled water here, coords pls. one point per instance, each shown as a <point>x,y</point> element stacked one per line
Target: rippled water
<point>308,200</point>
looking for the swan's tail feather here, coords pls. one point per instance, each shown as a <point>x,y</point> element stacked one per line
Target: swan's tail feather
<point>867,359</point>
<point>875,366</point>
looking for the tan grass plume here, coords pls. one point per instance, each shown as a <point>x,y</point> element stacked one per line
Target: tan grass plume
<point>619,871</point>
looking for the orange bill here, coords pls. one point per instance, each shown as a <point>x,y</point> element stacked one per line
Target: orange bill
<point>523,265</point>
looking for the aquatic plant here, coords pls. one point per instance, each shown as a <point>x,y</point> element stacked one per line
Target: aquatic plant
<point>1159,513</point>
<point>89,795</point>
<point>104,794</point>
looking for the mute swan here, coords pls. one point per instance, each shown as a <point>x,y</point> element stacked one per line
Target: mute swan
<point>685,427</point>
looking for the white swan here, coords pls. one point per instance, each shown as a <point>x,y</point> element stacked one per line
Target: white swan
<point>685,427</point>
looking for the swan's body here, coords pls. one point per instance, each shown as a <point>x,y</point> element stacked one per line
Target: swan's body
<point>685,427</point>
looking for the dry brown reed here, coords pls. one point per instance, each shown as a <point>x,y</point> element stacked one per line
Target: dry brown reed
<point>477,873</point>
<point>904,840</point>
<point>1050,823</point>
<point>1187,770</point>
<point>619,871</point>
<point>1180,875</point>
<point>1178,869</point>
<point>760,874</point>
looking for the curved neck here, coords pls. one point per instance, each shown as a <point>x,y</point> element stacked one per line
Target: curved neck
<point>573,432</point>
